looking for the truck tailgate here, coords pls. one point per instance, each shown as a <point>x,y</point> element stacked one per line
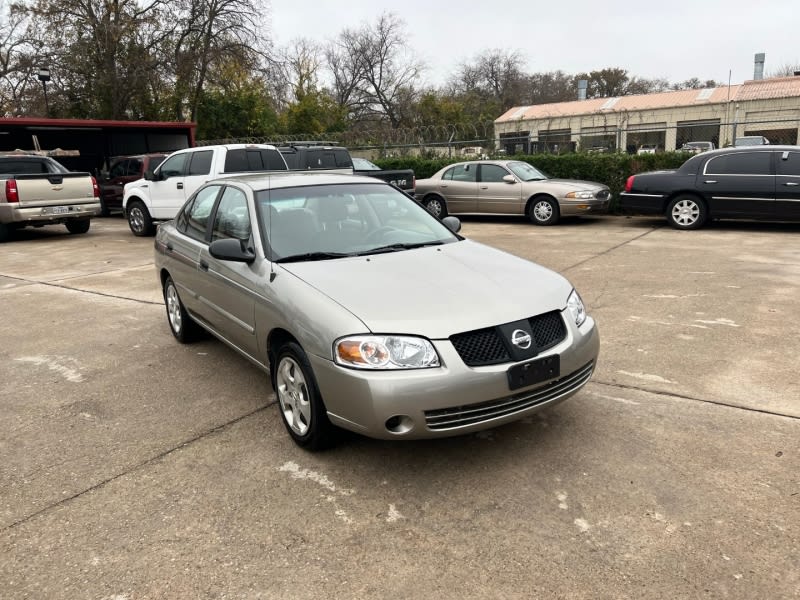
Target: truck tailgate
<point>54,189</point>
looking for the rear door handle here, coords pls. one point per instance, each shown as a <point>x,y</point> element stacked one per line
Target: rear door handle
<point>484,187</point>
<point>203,265</point>
<point>710,181</point>
<point>791,183</point>
<point>180,185</point>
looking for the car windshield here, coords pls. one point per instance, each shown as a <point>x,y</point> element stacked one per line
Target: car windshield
<point>362,164</point>
<point>526,172</point>
<point>320,222</point>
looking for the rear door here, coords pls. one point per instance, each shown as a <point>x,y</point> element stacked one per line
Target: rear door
<point>787,185</point>
<point>459,186</point>
<point>496,195</point>
<point>739,184</point>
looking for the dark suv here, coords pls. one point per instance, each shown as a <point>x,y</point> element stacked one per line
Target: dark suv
<point>121,170</point>
<point>304,156</point>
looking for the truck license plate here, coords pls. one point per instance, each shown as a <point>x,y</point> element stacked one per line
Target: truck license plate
<point>59,210</point>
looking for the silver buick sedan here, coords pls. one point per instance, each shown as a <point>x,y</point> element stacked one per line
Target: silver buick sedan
<point>368,313</point>
<point>509,187</point>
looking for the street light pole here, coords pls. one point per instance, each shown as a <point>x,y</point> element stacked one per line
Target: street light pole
<point>44,77</point>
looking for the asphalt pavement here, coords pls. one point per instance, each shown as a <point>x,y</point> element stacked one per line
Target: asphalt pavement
<point>135,467</point>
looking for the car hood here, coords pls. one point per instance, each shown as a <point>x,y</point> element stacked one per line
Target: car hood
<point>436,291</point>
<point>571,184</point>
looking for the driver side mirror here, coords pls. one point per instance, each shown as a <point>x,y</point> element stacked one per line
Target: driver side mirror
<point>231,249</point>
<point>452,223</point>
<point>150,176</point>
<point>509,179</point>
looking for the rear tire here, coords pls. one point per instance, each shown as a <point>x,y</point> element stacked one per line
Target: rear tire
<point>78,225</point>
<point>435,206</point>
<point>139,219</point>
<point>300,404</point>
<point>687,212</point>
<point>543,211</point>
<point>182,326</point>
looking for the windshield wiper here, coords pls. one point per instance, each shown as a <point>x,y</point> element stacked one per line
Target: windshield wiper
<point>398,247</point>
<point>309,256</point>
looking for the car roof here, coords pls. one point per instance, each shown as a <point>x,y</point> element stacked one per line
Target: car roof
<point>760,147</point>
<point>289,179</point>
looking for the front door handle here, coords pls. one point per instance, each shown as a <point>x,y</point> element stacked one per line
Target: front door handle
<point>484,187</point>
<point>203,265</point>
<point>791,183</point>
<point>710,181</point>
<point>180,185</point>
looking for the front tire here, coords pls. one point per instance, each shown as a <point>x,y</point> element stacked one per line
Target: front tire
<point>687,212</point>
<point>300,403</point>
<point>543,211</point>
<point>436,206</point>
<point>78,225</point>
<point>139,219</point>
<point>181,324</point>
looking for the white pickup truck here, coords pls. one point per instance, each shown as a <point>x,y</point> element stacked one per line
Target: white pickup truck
<point>36,190</point>
<point>161,193</point>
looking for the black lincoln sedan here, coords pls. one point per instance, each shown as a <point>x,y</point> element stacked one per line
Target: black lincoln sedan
<point>756,182</point>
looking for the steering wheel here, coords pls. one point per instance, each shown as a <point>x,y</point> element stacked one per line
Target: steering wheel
<point>374,236</point>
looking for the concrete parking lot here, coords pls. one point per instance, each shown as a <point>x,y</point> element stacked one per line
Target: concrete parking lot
<point>134,467</point>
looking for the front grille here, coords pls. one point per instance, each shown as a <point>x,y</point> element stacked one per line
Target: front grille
<point>471,414</point>
<point>480,347</point>
<point>485,347</point>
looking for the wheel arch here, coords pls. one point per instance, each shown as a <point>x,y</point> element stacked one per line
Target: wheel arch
<point>539,195</point>
<point>277,338</point>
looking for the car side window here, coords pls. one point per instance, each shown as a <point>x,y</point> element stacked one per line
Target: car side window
<point>790,165</point>
<point>174,166</point>
<point>118,169</point>
<point>741,163</point>
<point>197,213</point>
<point>134,167</point>
<point>493,173</point>
<point>464,172</point>
<point>232,219</point>
<point>201,162</point>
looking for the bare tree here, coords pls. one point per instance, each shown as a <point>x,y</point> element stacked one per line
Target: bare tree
<point>495,73</point>
<point>786,70</point>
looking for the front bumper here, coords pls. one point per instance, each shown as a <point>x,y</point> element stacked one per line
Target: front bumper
<point>43,215</point>
<point>583,207</point>
<point>451,400</point>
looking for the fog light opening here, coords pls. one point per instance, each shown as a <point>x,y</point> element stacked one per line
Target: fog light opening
<point>399,424</point>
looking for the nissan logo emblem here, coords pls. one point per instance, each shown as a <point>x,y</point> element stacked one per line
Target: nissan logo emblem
<point>521,339</point>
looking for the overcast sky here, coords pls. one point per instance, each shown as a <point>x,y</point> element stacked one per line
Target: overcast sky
<point>674,39</point>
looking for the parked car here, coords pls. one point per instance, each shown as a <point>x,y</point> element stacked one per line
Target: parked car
<point>161,192</point>
<point>697,147</point>
<point>751,140</point>
<point>342,288</point>
<point>761,182</point>
<point>37,190</point>
<point>647,149</point>
<point>122,170</point>
<point>401,178</point>
<point>509,187</point>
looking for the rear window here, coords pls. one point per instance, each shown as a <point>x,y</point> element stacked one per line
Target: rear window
<point>25,166</point>
<point>253,159</point>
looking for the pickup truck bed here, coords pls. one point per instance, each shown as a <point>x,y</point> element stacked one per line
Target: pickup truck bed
<point>403,179</point>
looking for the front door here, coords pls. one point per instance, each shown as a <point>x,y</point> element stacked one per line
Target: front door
<point>739,184</point>
<point>496,195</point>
<point>167,194</point>
<point>227,287</point>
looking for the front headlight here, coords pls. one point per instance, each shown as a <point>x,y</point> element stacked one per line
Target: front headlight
<point>576,308</point>
<point>584,195</point>
<point>385,352</point>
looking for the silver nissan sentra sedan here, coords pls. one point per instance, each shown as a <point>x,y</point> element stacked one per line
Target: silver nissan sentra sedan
<point>369,313</point>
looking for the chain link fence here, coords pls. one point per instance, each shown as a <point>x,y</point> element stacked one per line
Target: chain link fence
<point>480,139</point>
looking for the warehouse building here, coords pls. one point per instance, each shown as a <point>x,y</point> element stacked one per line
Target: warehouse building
<point>665,121</point>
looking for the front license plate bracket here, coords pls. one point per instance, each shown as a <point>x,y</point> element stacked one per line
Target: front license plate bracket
<point>534,371</point>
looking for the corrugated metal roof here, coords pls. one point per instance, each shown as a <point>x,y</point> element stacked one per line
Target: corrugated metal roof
<point>779,87</point>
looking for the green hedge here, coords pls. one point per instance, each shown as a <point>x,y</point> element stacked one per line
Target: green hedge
<point>610,169</point>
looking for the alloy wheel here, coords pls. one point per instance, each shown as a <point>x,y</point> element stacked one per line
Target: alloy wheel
<point>293,396</point>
